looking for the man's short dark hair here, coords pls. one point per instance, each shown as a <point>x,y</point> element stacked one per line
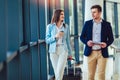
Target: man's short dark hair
<point>98,7</point>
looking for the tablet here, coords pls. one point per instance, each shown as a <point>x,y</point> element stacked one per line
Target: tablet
<point>96,42</point>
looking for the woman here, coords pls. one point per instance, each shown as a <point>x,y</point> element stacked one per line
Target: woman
<point>57,36</point>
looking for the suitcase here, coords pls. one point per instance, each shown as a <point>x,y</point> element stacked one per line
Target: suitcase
<point>72,73</point>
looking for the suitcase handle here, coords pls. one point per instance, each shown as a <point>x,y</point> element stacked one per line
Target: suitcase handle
<point>70,58</point>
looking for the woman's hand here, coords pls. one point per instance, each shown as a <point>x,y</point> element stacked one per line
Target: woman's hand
<point>59,35</point>
<point>70,58</point>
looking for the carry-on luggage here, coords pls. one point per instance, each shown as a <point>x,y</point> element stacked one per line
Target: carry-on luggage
<point>72,73</point>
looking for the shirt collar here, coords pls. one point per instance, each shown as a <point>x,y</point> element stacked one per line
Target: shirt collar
<point>98,22</point>
<point>60,25</point>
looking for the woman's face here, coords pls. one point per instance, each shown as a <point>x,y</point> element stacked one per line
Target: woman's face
<point>61,16</point>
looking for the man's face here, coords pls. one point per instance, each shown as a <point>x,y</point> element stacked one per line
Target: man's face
<point>95,13</point>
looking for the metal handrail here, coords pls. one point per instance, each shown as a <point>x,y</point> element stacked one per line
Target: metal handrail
<point>12,54</point>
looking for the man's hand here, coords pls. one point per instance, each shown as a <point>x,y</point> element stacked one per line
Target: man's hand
<point>103,44</point>
<point>90,43</point>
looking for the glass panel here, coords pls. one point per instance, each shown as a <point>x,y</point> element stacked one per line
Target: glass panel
<point>71,25</point>
<point>110,18</point>
<point>71,17</point>
<point>119,19</point>
<point>110,14</point>
<point>80,15</point>
<point>62,4</point>
<point>80,25</point>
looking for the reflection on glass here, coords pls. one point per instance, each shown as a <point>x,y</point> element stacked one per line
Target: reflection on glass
<point>110,14</point>
<point>119,19</point>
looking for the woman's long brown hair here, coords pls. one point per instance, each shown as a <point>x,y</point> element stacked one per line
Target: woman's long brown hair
<point>56,16</point>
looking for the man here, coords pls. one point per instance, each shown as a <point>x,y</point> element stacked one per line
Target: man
<point>97,35</point>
